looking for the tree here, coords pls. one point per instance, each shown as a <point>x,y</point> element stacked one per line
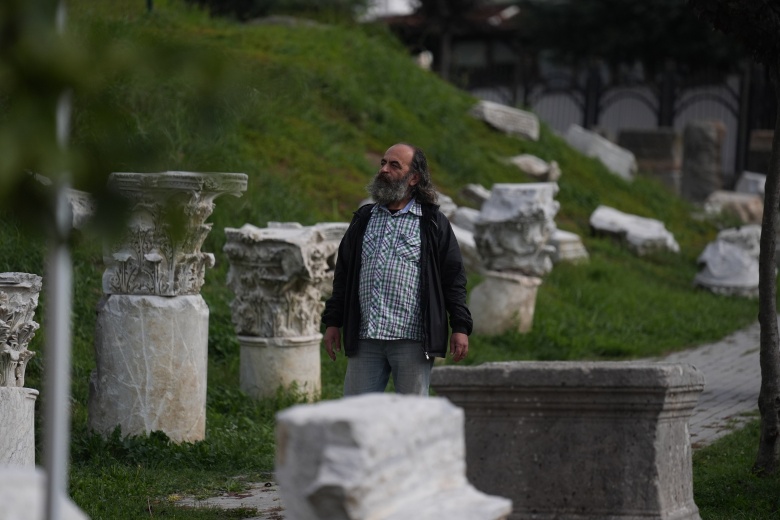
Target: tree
<point>756,24</point>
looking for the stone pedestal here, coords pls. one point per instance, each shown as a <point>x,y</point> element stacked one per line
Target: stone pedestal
<point>17,426</point>
<point>268,363</point>
<point>278,276</point>
<point>151,357</point>
<point>502,302</point>
<point>378,456</point>
<point>152,327</point>
<point>579,440</point>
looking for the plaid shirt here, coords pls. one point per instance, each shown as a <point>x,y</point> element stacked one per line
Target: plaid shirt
<point>390,275</point>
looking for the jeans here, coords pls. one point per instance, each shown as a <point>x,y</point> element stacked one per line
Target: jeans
<point>369,370</point>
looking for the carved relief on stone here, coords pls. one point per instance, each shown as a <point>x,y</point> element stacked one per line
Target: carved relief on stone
<point>159,253</point>
<point>18,300</point>
<point>515,226</point>
<point>276,274</point>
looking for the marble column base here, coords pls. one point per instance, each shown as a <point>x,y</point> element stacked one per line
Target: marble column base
<point>503,302</point>
<point>17,426</point>
<point>268,363</point>
<point>151,354</point>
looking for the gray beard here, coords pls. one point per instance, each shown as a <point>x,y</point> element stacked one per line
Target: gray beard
<point>385,191</point>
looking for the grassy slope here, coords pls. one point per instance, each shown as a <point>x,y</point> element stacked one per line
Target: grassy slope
<point>304,111</point>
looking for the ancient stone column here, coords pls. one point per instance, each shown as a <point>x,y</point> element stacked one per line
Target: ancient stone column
<point>378,456</point>
<point>702,170</point>
<point>278,275</point>
<point>18,300</point>
<point>513,235</point>
<point>584,440</point>
<point>152,326</point>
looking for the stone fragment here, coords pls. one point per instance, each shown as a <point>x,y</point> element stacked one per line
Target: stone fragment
<point>747,207</point>
<point>515,226</point>
<point>17,426</point>
<point>658,153</point>
<point>539,169</point>
<point>377,456</point>
<point>468,249</point>
<point>751,182</point>
<point>568,247</point>
<point>618,160</point>
<point>465,218</point>
<point>503,301</point>
<point>729,264</point>
<point>23,495</point>
<point>151,362</point>
<point>702,171</point>
<point>509,120</point>
<point>641,235</point>
<point>584,440</point>
<point>475,194</point>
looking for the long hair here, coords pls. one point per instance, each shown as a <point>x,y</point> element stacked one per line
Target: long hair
<point>424,191</point>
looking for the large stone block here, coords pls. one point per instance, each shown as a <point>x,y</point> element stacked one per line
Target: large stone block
<point>509,120</point>
<point>702,167</point>
<point>642,235</point>
<point>579,440</point>
<point>151,356</point>
<point>23,495</point>
<point>618,160</point>
<point>17,426</point>
<point>658,153</point>
<point>378,456</point>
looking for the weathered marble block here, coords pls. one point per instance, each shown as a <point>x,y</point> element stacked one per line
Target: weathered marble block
<point>579,440</point>
<point>278,276</point>
<point>618,160</point>
<point>702,169</point>
<point>23,495</point>
<point>538,168</point>
<point>515,226</point>
<point>502,302</point>
<point>729,264</point>
<point>642,235</point>
<point>747,207</point>
<point>17,426</point>
<point>509,120</point>
<point>151,365</point>
<point>568,247</point>
<point>378,456</point>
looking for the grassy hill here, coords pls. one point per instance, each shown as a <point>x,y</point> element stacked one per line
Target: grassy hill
<point>305,111</point>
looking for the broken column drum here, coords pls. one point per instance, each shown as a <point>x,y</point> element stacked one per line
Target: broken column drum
<point>513,235</point>
<point>278,276</point>
<point>579,440</point>
<point>151,338</point>
<point>18,300</point>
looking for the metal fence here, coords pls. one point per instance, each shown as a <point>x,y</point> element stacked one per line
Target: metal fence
<point>596,98</point>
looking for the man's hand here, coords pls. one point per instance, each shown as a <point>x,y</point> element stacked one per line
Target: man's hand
<point>333,342</point>
<point>459,346</point>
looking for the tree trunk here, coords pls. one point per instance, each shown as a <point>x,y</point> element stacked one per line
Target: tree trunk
<point>768,456</point>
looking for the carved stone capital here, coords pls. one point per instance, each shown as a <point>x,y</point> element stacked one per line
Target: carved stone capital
<point>159,253</point>
<point>515,227</point>
<point>277,274</point>
<point>18,300</point>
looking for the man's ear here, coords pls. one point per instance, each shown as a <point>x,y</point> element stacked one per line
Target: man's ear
<point>415,179</point>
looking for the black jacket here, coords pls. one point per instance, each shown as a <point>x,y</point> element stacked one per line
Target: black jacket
<point>442,282</point>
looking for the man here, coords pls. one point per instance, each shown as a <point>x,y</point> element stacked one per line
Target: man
<point>398,275</point>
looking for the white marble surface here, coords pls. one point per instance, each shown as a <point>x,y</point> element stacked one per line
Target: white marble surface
<point>509,120</point>
<point>503,302</point>
<point>377,456</point>
<point>268,363</point>
<point>151,357</point>
<point>618,160</point>
<point>642,235</point>
<point>17,426</point>
<point>23,495</point>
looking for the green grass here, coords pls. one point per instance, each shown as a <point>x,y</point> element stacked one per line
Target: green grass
<point>724,487</point>
<point>305,112</point>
